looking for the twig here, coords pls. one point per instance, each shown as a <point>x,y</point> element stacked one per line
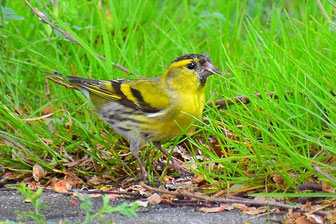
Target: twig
<point>70,37</point>
<point>38,118</point>
<point>325,14</point>
<point>318,169</point>
<point>320,208</point>
<point>219,200</point>
<point>42,117</point>
<point>56,81</point>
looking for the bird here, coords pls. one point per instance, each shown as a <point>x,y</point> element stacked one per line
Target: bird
<point>151,109</point>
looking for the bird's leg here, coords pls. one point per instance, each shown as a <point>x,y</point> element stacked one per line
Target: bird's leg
<point>135,148</point>
<point>175,163</point>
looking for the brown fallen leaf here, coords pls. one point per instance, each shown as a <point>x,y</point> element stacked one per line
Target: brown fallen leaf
<point>72,179</point>
<point>38,172</point>
<point>33,185</point>
<point>278,180</point>
<point>168,197</point>
<point>216,146</point>
<point>302,220</point>
<point>137,188</point>
<point>315,218</point>
<point>97,195</point>
<point>154,199</point>
<point>62,186</point>
<point>213,209</point>
<point>108,188</point>
<point>296,218</point>
<point>199,180</point>
<point>327,188</point>
<point>46,110</point>
<point>94,181</point>
<point>27,201</point>
<point>241,207</point>
<point>254,211</point>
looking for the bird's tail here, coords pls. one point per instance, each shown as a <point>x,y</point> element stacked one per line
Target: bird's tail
<point>73,82</point>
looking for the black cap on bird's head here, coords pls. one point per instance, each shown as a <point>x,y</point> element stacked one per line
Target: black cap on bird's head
<point>199,63</point>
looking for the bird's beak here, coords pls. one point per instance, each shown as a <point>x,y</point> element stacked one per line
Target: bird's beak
<point>211,69</point>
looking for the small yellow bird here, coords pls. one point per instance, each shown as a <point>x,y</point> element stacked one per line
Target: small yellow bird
<point>155,109</point>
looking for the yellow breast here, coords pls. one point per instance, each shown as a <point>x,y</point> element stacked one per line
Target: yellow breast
<point>186,107</point>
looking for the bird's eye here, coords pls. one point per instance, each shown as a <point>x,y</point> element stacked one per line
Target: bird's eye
<point>191,65</point>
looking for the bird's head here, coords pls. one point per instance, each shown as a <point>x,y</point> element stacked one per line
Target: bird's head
<point>190,66</point>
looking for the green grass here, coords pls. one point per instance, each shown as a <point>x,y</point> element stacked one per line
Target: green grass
<point>262,47</point>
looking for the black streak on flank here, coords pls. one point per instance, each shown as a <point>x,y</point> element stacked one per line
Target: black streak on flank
<point>123,129</point>
<point>137,94</point>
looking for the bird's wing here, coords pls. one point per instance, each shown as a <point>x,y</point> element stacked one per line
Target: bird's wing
<point>147,95</point>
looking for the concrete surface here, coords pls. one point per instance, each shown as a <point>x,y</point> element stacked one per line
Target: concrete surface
<point>62,209</point>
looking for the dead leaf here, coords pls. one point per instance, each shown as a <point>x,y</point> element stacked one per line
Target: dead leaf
<point>72,179</point>
<point>94,181</point>
<point>167,179</point>
<point>38,172</point>
<point>154,199</point>
<point>137,188</point>
<point>295,218</point>
<point>241,207</point>
<point>314,218</point>
<point>302,220</point>
<point>62,186</point>
<point>199,180</point>
<point>327,188</point>
<point>46,110</point>
<point>27,200</point>
<point>278,180</point>
<point>212,210</point>
<point>33,186</point>
<point>97,195</point>
<point>215,145</point>
<point>254,211</point>
<point>108,188</point>
<point>181,153</point>
<point>77,195</point>
<point>51,183</point>
<point>168,197</point>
